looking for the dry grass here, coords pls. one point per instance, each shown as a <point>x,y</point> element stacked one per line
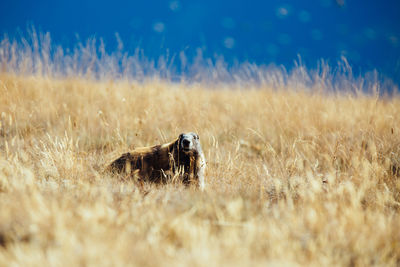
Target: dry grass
<point>293,178</point>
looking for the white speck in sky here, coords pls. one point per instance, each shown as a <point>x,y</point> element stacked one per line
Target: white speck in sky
<point>304,16</point>
<point>326,3</point>
<point>283,11</point>
<point>229,42</point>
<point>228,23</point>
<point>394,40</point>
<point>370,33</point>
<point>316,35</point>
<point>272,49</point>
<point>159,27</point>
<point>175,5</point>
<point>284,39</point>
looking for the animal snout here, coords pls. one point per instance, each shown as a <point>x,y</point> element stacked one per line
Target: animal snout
<point>185,142</point>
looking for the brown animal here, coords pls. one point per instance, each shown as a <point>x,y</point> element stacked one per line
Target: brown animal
<point>158,163</point>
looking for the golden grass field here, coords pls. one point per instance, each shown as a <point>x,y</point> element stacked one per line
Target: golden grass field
<point>294,177</point>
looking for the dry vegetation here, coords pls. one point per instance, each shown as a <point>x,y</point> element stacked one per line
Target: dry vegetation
<point>294,177</point>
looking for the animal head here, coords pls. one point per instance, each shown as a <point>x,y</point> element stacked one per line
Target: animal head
<point>189,143</point>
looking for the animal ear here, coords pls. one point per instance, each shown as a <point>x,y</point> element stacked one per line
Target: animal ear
<point>195,135</point>
<point>180,136</point>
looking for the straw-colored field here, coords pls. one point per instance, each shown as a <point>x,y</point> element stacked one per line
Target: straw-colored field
<point>293,178</point>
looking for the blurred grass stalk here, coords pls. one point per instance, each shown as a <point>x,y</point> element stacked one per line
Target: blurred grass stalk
<point>34,53</point>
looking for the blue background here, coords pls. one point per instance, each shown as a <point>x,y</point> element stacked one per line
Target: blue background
<point>366,32</point>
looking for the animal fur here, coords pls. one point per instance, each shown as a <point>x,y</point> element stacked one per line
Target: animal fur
<point>159,163</point>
